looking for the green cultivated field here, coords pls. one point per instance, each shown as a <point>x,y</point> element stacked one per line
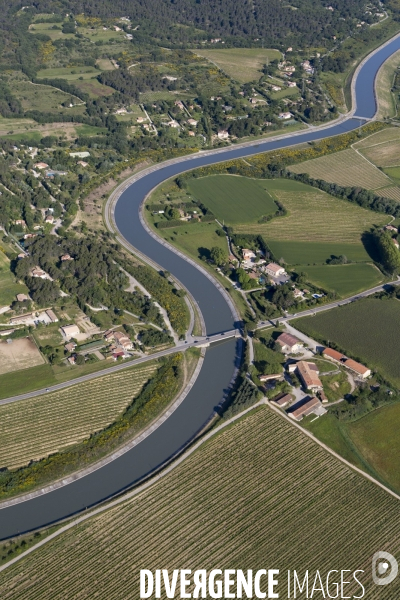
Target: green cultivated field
<point>44,98</point>
<point>196,240</point>
<point>369,329</point>
<point>28,433</point>
<point>303,253</point>
<point>376,437</point>
<point>313,216</point>
<point>68,73</point>
<point>345,280</point>
<point>347,168</point>
<point>242,64</point>
<point>283,486</point>
<point>8,287</point>
<point>94,88</point>
<point>233,199</point>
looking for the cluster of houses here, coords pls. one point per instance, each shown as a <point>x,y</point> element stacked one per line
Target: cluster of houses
<point>258,266</point>
<point>120,343</point>
<point>308,373</point>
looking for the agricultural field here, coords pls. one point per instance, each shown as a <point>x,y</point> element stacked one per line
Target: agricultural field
<point>313,215</point>
<point>285,93</point>
<point>43,98</point>
<point>384,85</point>
<point>373,340</point>
<point>345,280</point>
<point>9,288</point>
<point>94,88</point>
<point>105,64</point>
<point>14,125</point>
<point>384,155</point>
<point>233,199</point>
<point>347,168</point>
<point>310,253</point>
<point>68,73</point>
<point>19,354</point>
<point>196,240</point>
<point>385,135</point>
<point>34,428</point>
<point>376,438</point>
<point>242,64</point>
<point>265,470</point>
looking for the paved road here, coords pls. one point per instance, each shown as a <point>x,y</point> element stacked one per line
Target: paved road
<point>194,342</point>
<point>220,360</point>
<point>323,307</point>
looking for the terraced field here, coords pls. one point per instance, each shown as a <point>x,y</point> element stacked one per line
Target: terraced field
<point>281,486</point>
<point>33,429</point>
<point>313,216</point>
<point>347,168</point>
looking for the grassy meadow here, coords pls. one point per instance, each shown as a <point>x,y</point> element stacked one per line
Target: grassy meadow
<point>309,253</point>
<point>28,433</point>
<point>368,329</point>
<point>384,84</point>
<point>281,486</point>
<point>233,199</point>
<point>242,64</point>
<point>345,280</point>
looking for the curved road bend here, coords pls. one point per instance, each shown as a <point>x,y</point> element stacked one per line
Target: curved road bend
<point>219,361</point>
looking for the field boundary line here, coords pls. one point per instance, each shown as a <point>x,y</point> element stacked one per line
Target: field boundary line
<point>375,167</point>
<point>138,490</point>
<point>141,488</point>
<point>117,453</point>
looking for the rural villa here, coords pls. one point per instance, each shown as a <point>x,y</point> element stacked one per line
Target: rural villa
<point>274,270</point>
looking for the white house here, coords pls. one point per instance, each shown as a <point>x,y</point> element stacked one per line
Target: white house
<point>274,270</point>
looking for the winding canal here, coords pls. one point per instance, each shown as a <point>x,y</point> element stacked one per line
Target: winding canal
<point>28,514</point>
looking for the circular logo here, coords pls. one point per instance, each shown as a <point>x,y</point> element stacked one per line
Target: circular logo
<point>384,568</point>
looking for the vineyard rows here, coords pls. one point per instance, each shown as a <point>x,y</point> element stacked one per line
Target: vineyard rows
<point>32,429</point>
<point>258,495</point>
<point>347,168</point>
<point>390,192</point>
<point>314,215</point>
<point>386,135</point>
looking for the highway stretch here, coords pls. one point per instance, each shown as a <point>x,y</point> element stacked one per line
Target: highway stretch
<point>221,359</point>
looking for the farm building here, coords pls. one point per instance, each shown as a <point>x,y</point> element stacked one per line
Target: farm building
<point>22,297</point>
<point>51,316</point>
<point>274,270</point>
<point>21,319</point>
<point>70,331</point>
<point>282,400</point>
<point>264,378</point>
<point>357,367</point>
<point>333,355</point>
<point>310,405</point>
<point>308,373</point>
<point>289,343</point>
